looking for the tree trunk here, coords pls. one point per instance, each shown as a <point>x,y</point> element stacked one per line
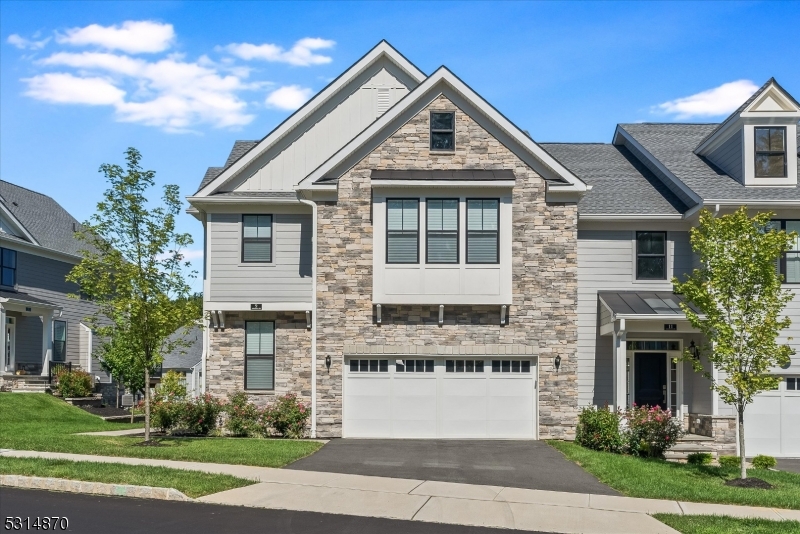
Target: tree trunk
<point>146,404</point>
<point>741,444</point>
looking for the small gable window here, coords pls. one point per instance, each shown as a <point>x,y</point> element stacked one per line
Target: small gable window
<point>443,128</point>
<point>770,152</point>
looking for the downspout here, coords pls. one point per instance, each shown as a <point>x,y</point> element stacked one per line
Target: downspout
<point>313,205</point>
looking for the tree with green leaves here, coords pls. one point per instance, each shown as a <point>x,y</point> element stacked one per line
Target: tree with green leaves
<point>740,300</point>
<point>132,269</point>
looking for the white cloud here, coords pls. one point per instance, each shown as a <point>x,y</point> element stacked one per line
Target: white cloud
<point>26,44</point>
<point>301,54</point>
<point>132,36</point>
<point>715,102</point>
<point>64,88</point>
<point>288,97</point>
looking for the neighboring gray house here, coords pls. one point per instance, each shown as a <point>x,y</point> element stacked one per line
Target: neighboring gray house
<point>412,264</point>
<point>41,323</point>
<point>187,360</point>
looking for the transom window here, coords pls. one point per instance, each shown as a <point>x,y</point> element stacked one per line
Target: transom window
<point>369,366</point>
<point>653,345</point>
<point>651,255</point>
<point>414,366</point>
<point>789,262</point>
<point>511,366</point>
<point>256,238</point>
<point>483,235</point>
<point>8,267</point>
<point>463,366</point>
<point>402,230</point>
<point>59,341</point>
<point>770,152</point>
<point>442,238</point>
<point>443,125</point>
<point>793,384</point>
<point>259,355</point>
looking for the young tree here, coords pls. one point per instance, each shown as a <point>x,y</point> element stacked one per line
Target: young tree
<point>132,270</point>
<point>739,295</point>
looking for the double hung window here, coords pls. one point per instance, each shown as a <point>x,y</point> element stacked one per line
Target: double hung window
<point>402,230</point>
<point>8,267</point>
<point>59,341</point>
<point>770,152</point>
<point>483,236</point>
<point>259,355</point>
<point>789,262</point>
<point>256,238</point>
<point>443,126</point>
<point>442,239</point>
<point>651,255</point>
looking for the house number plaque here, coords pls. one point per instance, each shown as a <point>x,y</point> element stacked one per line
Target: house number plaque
<point>256,307</point>
<point>670,327</point>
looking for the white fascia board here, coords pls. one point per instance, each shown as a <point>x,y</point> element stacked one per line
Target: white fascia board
<point>215,201</point>
<point>382,49</point>
<point>620,132</point>
<point>680,318</point>
<point>44,252</point>
<point>443,75</point>
<point>17,225</point>
<point>211,305</point>
<point>630,217</point>
<point>461,184</point>
<point>719,137</point>
<point>757,203</point>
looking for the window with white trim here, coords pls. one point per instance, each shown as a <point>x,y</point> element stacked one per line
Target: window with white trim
<point>259,355</point>
<point>770,157</point>
<point>442,231</point>
<point>402,230</point>
<point>369,366</point>
<point>443,130</point>
<point>511,366</point>
<point>256,238</point>
<point>651,255</point>
<point>414,366</point>
<point>483,231</point>
<point>59,341</point>
<point>793,384</point>
<point>463,366</point>
<point>789,262</point>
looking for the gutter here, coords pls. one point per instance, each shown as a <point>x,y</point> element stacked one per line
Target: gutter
<point>313,206</point>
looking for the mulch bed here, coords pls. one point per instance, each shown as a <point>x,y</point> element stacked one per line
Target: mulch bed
<point>105,411</point>
<point>755,483</point>
<point>151,443</point>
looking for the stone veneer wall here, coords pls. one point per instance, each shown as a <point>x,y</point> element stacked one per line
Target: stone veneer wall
<point>225,360</point>
<point>543,312</point>
<point>720,427</point>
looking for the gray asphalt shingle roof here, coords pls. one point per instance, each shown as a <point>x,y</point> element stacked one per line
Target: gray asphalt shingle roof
<point>49,224</point>
<point>240,148</point>
<point>186,357</point>
<point>673,145</point>
<point>621,184</point>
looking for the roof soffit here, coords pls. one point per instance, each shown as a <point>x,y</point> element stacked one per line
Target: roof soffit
<point>279,138</point>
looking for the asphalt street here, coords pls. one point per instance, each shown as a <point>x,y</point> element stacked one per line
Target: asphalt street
<point>90,514</point>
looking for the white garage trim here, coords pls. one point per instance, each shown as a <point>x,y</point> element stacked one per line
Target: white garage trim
<point>772,422</point>
<point>383,402</point>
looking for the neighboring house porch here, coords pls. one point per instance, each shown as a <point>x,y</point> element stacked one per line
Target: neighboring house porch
<point>33,336</point>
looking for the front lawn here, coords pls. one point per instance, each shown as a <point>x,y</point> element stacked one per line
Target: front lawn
<point>658,479</point>
<point>712,524</point>
<point>40,422</point>
<point>191,483</point>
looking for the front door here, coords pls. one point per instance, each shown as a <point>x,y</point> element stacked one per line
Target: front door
<point>650,380</point>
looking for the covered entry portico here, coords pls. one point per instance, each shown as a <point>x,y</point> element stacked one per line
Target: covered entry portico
<point>15,307</point>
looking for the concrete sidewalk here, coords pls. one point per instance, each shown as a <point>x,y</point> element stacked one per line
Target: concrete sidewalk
<point>442,502</point>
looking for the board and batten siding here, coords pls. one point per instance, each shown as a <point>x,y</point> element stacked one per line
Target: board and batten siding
<point>45,278</point>
<point>341,124</point>
<point>606,262</point>
<point>728,156</point>
<point>286,279</point>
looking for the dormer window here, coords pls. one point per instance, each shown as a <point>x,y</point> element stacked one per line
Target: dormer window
<point>770,152</point>
<point>443,128</point>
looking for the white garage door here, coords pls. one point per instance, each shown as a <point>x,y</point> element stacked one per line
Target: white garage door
<point>772,422</point>
<point>440,398</point>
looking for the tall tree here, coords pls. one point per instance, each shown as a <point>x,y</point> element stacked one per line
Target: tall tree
<point>738,292</point>
<point>132,269</point>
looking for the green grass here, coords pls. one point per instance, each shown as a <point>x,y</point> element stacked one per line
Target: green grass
<point>191,483</point>
<point>658,479</point>
<point>711,524</point>
<point>43,423</point>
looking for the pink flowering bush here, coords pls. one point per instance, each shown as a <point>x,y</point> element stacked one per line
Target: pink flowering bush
<point>242,415</point>
<point>287,416</point>
<point>175,415</point>
<point>651,431</point>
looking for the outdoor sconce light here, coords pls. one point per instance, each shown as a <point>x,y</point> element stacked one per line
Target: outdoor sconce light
<point>557,362</point>
<point>308,319</point>
<point>503,310</point>
<point>378,314</point>
<point>441,314</point>
<point>694,351</point>
<point>328,361</point>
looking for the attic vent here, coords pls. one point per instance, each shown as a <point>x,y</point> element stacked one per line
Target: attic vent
<point>383,101</point>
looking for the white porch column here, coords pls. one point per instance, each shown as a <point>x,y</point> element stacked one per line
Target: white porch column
<point>620,365</point>
<point>47,340</point>
<point>6,365</point>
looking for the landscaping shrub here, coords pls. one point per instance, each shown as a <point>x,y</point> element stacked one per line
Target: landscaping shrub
<point>764,462</point>
<point>699,458</point>
<point>651,431</point>
<point>164,413</point>
<point>598,429</point>
<point>172,385</point>
<point>199,416</point>
<point>74,383</point>
<point>729,461</point>
<point>242,416</point>
<point>287,416</point>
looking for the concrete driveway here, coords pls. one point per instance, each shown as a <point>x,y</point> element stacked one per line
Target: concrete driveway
<point>519,464</point>
<point>789,464</point>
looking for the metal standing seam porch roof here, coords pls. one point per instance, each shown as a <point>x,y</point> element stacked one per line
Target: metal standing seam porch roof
<point>643,304</point>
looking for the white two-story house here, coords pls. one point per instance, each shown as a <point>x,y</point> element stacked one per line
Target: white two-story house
<point>412,264</point>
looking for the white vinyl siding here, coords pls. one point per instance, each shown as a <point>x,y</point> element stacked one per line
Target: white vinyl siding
<point>259,355</point>
<point>402,231</point>
<point>482,230</point>
<point>442,238</point>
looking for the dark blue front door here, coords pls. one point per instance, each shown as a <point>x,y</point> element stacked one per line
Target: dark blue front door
<point>650,379</point>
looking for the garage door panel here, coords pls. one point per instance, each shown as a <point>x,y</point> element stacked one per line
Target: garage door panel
<point>464,387</point>
<point>511,408</point>
<point>413,428</point>
<point>462,429</point>
<point>510,386</point>
<point>369,428</point>
<point>790,425</point>
<point>510,429</point>
<point>368,385</point>
<point>772,424</point>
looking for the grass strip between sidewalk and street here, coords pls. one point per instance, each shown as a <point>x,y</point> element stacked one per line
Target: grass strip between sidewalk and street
<point>714,524</point>
<point>658,479</point>
<point>191,483</point>
<point>39,422</point>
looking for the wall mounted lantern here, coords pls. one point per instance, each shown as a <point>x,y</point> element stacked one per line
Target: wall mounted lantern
<point>557,362</point>
<point>694,350</point>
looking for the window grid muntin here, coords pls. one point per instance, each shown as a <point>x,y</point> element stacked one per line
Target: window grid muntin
<point>771,130</point>
<point>59,345</point>
<point>649,255</point>
<point>402,232</point>
<point>450,233</point>
<point>248,356</point>
<point>464,366</point>
<point>258,239</point>
<point>483,232</point>
<point>443,131</point>
<point>793,383</point>
<point>413,366</point>
<point>8,267</point>
<point>794,253</point>
<point>511,366</point>
<point>369,366</point>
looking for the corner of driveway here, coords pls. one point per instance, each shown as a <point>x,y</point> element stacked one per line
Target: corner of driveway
<point>518,464</point>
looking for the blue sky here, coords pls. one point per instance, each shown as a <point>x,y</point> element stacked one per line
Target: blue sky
<point>82,81</point>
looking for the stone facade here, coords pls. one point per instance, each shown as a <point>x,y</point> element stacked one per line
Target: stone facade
<point>225,360</point>
<point>542,316</point>
<point>722,428</point>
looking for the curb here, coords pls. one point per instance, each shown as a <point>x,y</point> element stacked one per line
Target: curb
<point>94,488</point>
